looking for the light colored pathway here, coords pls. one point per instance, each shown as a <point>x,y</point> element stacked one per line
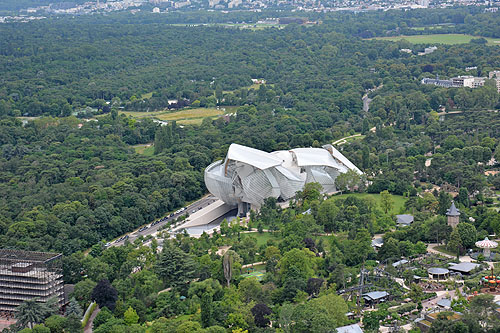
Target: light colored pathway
<point>90,322</point>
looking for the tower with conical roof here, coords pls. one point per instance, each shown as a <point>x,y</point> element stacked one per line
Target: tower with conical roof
<point>453,215</point>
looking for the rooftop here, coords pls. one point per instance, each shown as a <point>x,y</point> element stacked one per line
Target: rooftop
<point>254,157</point>
<point>405,219</point>
<point>438,270</point>
<point>453,211</point>
<point>354,328</point>
<point>376,295</point>
<point>400,262</point>
<point>444,303</point>
<point>464,267</point>
<point>29,256</point>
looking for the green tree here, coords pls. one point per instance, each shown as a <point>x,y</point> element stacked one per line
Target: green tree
<point>250,289</point>
<point>74,308</point>
<point>56,323</point>
<point>30,312</point>
<point>468,234</point>
<point>463,197</point>
<point>386,201</point>
<point>105,295</point>
<point>455,243</point>
<point>102,317</point>
<point>130,316</point>
<point>300,263</point>
<point>83,291</point>
<point>416,293</point>
<point>444,202</point>
<point>175,267</point>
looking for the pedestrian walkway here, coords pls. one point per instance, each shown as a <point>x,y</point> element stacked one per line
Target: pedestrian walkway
<point>90,322</point>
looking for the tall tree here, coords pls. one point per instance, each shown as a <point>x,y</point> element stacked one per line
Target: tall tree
<point>468,234</point>
<point>227,263</point>
<point>174,266</point>
<point>105,295</point>
<point>444,202</point>
<point>386,201</point>
<point>30,312</point>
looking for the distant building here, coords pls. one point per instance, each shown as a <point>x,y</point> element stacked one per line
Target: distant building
<point>453,215</point>
<point>438,273</point>
<point>404,220</point>
<point>26,275</point>
<point>375,297</point>
<point>468,81</point>
<point>438,82</point>
<point>400,263</point>
<point>467,69</point>
<point>258,81</point>
<point>377,243</point>
<point>428,50</point>
<point>464,267</point>
<point>496,76</point>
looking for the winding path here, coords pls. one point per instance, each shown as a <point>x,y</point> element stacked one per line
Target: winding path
<point>90,322</point>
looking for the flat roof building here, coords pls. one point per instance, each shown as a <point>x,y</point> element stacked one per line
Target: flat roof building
<point>464,267</point>
<point>25,275</point>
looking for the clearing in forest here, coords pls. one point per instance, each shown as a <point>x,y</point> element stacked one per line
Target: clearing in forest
<point>439,39</point>
<point>188,116</point>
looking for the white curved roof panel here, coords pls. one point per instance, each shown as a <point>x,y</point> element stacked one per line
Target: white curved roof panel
<point>314,156</point>
<point>343,159</point>
<point>254,157</point>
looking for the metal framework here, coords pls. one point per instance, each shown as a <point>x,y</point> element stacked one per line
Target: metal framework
<point>26,275</point>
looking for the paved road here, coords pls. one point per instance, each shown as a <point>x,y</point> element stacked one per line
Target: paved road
<point>195,206</point>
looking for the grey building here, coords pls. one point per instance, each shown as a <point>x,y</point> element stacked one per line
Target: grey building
<point>26,275</point>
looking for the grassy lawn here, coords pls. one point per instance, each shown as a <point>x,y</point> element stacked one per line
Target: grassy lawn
<point>399,200</point>
<point>262,238</point>
<point>439,38</point>
<point>140,114</point>
<point>147,150</point>
<point>188,116</point>
<point>442,248</point>
<point>147,96</point>
<point>355,138</point>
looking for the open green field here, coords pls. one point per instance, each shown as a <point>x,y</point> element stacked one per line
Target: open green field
<point>147,150</point>
<point>262,238</point>
<point>439,39</point>
<point>189,116</point>
<point>399,200</point>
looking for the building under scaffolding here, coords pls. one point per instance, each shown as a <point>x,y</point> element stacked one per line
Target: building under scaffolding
<point>26,275</point>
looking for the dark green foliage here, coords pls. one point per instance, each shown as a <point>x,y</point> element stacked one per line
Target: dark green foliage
<point>105,295</point>
<point>175,267</point>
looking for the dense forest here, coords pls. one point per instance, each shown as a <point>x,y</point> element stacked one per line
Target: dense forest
<point>61,65</point>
